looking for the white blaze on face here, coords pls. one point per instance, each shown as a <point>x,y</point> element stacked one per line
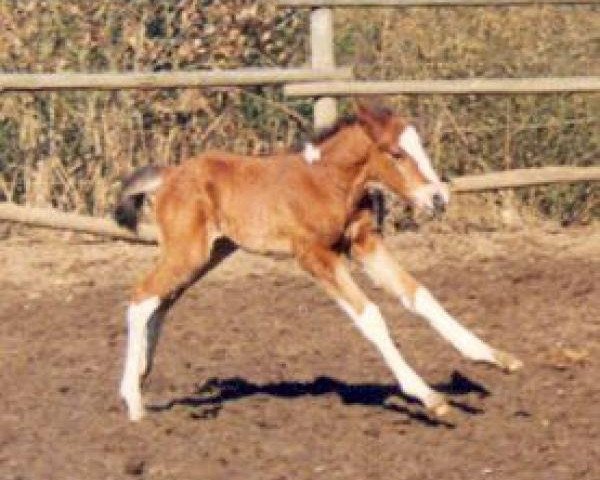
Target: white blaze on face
<point>410,142</point>
<point>311,153</point>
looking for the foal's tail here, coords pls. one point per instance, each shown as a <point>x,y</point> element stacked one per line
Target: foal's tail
<point>141,182</point>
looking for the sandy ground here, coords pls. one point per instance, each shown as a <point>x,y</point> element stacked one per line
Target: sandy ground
<point>259,376</point>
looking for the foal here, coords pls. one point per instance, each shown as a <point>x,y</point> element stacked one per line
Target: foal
<point>304,205</point>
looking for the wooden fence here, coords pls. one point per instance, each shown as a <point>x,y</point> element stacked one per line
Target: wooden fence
<point>427,3</point>
<point>154,80</point>
<point>467,86</point>
<point>323,81</point>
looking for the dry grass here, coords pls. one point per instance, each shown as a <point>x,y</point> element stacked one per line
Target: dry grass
<point>70,149</point>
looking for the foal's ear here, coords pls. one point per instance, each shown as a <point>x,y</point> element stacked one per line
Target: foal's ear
<point>371,103</point>
<point>359,103</point>
<point>372,122</point>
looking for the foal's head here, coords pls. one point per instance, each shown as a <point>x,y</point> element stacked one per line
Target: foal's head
<point>397,148</point>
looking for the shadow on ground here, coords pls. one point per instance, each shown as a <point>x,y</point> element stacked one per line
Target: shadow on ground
<point>215,392</point>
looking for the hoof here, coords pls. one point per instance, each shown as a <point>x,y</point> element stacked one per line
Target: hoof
<point>133,403</point>
<point>135,415</point>
<point>135,409</point>
<point>507,361</point>
<point>437,406</point>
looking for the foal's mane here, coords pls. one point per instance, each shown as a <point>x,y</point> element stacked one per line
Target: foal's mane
<point>326,133</point>
<point>378,113</point>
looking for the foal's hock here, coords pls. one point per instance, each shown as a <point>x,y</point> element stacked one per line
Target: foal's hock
<point>301,204</point>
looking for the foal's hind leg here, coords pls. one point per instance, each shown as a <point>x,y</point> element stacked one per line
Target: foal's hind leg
<point>219,250</point>
<point>185,255</point>
<point>329,269</point>
<point>381,266</point>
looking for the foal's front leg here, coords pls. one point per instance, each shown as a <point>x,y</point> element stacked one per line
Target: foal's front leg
<point>381,266</point>
<point>329,269</point>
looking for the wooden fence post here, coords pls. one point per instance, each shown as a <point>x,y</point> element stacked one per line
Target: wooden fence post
<point>322,56</point>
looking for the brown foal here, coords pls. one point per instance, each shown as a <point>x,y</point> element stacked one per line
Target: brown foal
<point>301,204</point>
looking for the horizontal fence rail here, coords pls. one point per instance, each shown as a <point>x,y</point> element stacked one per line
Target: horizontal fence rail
<point>151,80</point>
<point>524,177</point>
<point>58,220</point>
<point>427,3</point>
<point>459,86</point>
<point>51,218</point>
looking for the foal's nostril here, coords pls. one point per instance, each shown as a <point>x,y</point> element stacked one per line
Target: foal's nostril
<point>439,205</point>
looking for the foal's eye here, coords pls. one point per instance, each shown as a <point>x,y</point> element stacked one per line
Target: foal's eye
<point>398,155</point>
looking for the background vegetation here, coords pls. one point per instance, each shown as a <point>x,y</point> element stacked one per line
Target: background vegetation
<point>70,149</point>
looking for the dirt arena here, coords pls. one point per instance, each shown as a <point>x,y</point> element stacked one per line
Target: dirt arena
<point>259,376</point>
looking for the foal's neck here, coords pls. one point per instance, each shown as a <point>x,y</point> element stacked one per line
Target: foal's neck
<point>345,156</point>
<point>347,150</point>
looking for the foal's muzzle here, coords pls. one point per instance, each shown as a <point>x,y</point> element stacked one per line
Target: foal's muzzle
<point>432,197</point>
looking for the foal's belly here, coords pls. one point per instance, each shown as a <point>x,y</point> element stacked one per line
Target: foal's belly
<point>269,234</point>
<point>254,241</point>
<point>258,233</point>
